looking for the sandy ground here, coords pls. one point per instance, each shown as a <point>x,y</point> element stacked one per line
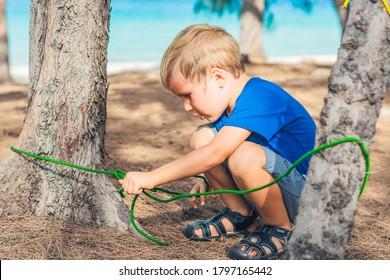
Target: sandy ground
<point>147,127</point>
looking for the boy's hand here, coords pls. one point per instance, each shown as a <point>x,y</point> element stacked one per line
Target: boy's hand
<point>200,187</point>
<point>135,182</point>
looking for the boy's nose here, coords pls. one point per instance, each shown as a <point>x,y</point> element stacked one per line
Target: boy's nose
<point>187,107</point>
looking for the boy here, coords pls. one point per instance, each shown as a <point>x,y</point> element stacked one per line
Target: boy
<point>255,131</point>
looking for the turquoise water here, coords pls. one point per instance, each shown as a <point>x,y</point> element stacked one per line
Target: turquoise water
<point>141,30</point>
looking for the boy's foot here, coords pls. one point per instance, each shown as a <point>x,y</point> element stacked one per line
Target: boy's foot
<point>225,224</point>
<point>268,243</point>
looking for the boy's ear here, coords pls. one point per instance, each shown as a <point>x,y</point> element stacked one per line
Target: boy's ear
<point>218,76</point>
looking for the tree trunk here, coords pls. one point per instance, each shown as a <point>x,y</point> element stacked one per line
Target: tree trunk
<point>4,65</point>
<point>356,89</point>
<point>252,29</point>
<point>65,119</point>
<point>342,12</point>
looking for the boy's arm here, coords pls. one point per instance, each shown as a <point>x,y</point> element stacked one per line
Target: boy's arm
<point>227,140</point>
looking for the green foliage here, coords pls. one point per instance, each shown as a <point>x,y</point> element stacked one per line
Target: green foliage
<point>305,5</point>
<point>235,6</point>
<point>218,6</point>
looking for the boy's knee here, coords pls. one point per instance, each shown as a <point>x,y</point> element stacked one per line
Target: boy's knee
<point>245,157</point>
<point>202,136</point>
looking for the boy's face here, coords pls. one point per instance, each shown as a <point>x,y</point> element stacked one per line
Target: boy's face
<point>206,100</point>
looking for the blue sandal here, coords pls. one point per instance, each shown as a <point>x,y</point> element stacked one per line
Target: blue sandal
<point>259,240</point>
<point>240,224</point>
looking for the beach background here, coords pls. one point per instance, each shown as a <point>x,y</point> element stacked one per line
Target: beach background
<point>147,127</point>
<point>140,31</point>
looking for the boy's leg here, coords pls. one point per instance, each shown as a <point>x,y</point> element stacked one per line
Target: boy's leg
<point>219,179</point>
<point>247,165</point>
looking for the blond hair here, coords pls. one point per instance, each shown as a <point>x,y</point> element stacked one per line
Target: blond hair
<point>197,49</point>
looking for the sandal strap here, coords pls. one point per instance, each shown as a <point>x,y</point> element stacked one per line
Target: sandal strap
<point>216,222</point>
<point>239,221</point>
<point>280,233</point>
<point>204,226</point>
<point>248,246</point>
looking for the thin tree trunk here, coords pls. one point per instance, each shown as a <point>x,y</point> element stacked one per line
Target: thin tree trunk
<point>356,89</point>
<point>342,13</point>
<point>65,119</point>
<point>4,64</point>
<point>252,29</point>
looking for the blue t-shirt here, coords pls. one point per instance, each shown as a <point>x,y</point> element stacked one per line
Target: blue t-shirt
<point>277,121</point>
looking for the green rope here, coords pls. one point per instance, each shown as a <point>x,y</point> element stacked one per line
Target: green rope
<point>121,175</point>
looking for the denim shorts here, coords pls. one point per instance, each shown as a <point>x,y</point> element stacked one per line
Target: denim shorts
<point>291,185</point>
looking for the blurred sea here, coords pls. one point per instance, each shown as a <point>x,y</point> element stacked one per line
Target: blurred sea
<point>141,30</point>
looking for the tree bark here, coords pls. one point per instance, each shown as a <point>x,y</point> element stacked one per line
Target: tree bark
<point>251,45</point>
<point>357,87</point>
<point>65,119</point>
<point>4,63</point>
